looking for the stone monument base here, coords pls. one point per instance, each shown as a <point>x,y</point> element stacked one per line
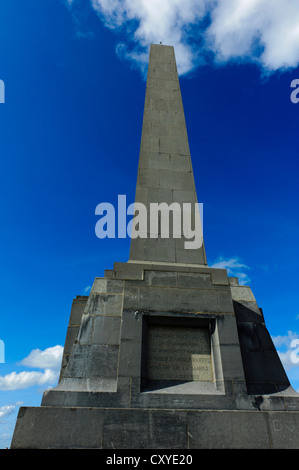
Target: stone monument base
<point>108,428</point>
<point>165,357</point>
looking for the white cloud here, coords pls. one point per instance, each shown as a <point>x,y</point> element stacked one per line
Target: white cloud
<point>25,379</point>
<point>7,410</point>
<point>284,341</point>
<point>157,22</point>
<point>263,31</point>
<point>287,347</point>
<point>7,423</point>
<point>49,360</point>
<point>234,268</point>
<point>267,32</point>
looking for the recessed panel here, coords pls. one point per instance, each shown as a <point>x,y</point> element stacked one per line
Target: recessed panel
<point>179,353</point>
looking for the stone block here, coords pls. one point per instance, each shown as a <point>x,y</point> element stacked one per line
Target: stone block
<point>179,132</point>
<point>150,115</point>
<point>64,361</point>
<point>233,281</point>
<point>170,179</point>
<point>102,361</point>
<point>167,116</point>
<point>227,330</point>
<point>76,366</point>
<point>159,249</point>
<point>170,66</point>
<point>189,256</point>
<point>78,385</point>
<point>167,94</point>
<point>158,103</point>
<point>169,145</point>
<point>160,161</point>
<point>219,277</point>
<point>240,293</point>
<point>232,361</point>
<point>71,335</point>
<point>106,330</point>
<point>184,147</point>
<point>131,328</point>
<point>130,358</point>
<point>104,304</point>
<point>172,85</point>
<point>99,285</point>
<point>188,181</point>
<point>182,196</point>
<point>225,303</point>
<point>150,143</point>
<point>193,280</point>
<point>148,178</point>
<point>160,278</point>
<point>59,428</point>
<point>147,125</point>
<point>291,399</point>
<point>160,129</point>
<point>141,195</point>
<point>179,118</point>
<point>137,251</point>
<point>144,429</point>
<point>115,287</point>
<point>181,163</point>
<point>77,310</point>
<point>89,361</point>
<point>85,331</point>
<point>283,429</point>
<point>177,106</point>
<point>170,299</point>
<point>160,195</point>
<point>228,430</point>
<point>128,271</point>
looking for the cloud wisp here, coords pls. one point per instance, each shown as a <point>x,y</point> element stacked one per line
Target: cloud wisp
<point>259,31</point>
<point>235,268</point>
<point>49,360</point>
<point>7,410</point>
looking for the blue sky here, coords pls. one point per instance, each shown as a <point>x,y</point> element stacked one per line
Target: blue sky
<point>70,129</point>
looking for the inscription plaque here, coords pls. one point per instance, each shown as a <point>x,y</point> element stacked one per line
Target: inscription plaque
<point>179,353</point>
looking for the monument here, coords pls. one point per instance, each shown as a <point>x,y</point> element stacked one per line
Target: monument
<point>165,352</point>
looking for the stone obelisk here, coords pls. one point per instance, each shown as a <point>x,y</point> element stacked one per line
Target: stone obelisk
<point>165,172</point>
<point>165,352</point>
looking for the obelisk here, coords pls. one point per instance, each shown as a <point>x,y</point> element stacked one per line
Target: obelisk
<point>165,352</point>
<point>165,172</point>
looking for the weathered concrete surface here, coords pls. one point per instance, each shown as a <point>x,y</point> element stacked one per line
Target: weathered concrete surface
<point>150,429</point>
